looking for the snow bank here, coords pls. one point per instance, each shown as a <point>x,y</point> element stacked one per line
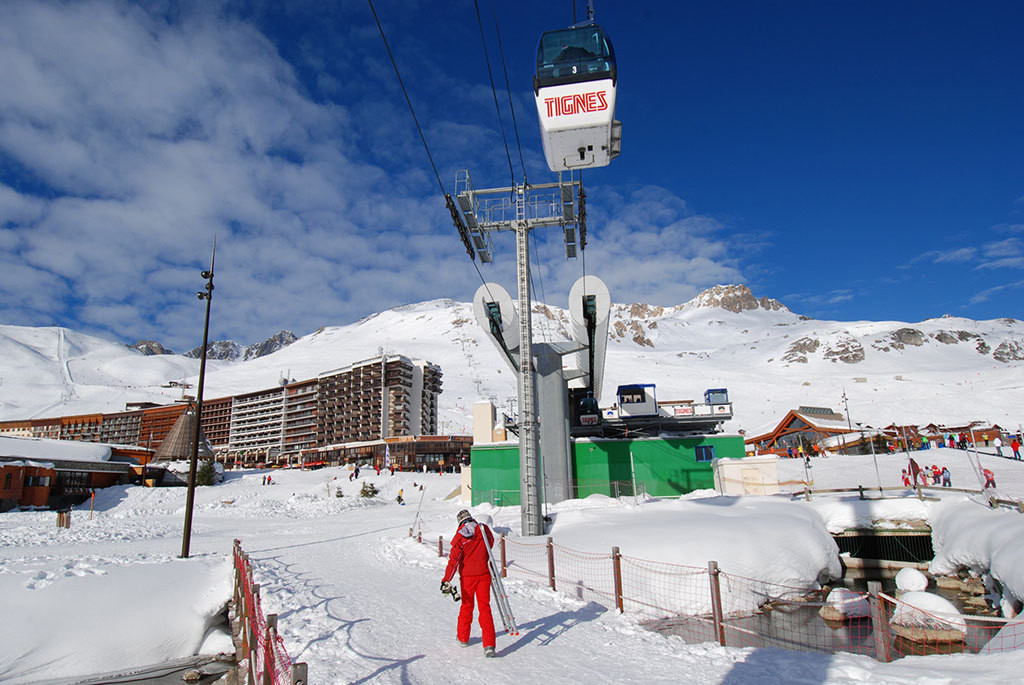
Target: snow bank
<point>163,611</point>
<point>849,511</point>
<point>766,547</point>
<point>986,541</point>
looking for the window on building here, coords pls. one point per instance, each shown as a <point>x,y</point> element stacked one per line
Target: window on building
<point>705,453</point>
<point>7,481</point>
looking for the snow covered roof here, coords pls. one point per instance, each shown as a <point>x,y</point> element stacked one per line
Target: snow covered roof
<point>832,420</point>
<point>42,448</point>
<point>28,463</point>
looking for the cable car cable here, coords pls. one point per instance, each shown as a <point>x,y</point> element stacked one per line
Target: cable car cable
<point>508,88</point>
<point>449,203</point>
<point>407,100</point>
<point>494,92</point>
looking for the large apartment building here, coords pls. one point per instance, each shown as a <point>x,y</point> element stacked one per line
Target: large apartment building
<point>383,397</point>
<point>378,398</point>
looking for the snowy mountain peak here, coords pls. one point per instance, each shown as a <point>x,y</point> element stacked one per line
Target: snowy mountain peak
<point>230,351</point>
<point>149,347</point>
<point>734,298</point>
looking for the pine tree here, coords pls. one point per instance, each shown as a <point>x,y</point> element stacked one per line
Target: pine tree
<point>206,474</point>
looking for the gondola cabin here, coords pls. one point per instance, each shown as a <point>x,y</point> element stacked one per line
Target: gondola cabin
<point>637,400</point>
<point>575,90</point>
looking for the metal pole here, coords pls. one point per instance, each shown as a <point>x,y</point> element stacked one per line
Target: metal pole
<point>529,438</point>
<point>190,502</point>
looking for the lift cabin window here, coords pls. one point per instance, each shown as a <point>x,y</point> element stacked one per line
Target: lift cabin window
<point>571,55</point>
<point>704,453</point>
<point>632,396</point>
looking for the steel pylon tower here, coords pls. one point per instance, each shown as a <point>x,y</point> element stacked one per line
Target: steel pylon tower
<point>521,208</point>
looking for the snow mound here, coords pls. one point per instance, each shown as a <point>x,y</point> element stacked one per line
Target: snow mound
<point>966,535</point>
<point>911,580</point>
<point>925,610</point>
<point>848,603</point>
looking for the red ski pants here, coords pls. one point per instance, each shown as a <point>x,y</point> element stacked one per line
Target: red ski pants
<point>476,589</point>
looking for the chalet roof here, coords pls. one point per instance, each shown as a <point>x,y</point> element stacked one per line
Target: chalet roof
<point>178,443</point>
<point>830,421</point>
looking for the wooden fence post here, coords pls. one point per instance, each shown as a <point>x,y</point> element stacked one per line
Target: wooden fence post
<point>419,537</point>
<point>440,545</point>
<point>879,627</point>
<point>716,602</point>
<point>551,563</point>
<point>504,566</point>
<point>269,662</point>
<point>617,575</point>
<point>300,673</point>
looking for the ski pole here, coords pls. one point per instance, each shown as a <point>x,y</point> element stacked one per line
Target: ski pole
<point>416,520</point>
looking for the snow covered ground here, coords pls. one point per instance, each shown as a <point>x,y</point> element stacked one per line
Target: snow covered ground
<point>359,600</point>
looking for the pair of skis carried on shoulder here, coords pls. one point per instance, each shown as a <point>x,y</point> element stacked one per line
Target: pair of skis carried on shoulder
<point>500,596</point>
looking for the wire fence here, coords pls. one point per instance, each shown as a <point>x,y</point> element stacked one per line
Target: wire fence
<point>262,657</point>
<point>706,604</point>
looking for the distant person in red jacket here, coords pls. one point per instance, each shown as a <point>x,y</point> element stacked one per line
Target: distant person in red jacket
<point>1015,446</point>
<point>469,558</point>
<point>990,479</point>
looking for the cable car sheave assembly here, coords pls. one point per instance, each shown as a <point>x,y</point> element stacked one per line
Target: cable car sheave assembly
<point>574,85</point>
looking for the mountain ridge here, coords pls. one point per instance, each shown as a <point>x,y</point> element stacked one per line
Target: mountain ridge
<point>771,359</point>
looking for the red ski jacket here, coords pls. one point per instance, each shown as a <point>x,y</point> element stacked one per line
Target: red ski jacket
<point>468,555</point>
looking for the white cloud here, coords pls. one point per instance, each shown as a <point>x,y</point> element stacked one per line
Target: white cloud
<point>986,294</point>
<point>137,136</point>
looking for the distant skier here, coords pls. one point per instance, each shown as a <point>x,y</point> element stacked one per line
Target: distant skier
<point>947,477</point>
<point>399,499</point>
<point>990,479</point>
<point>468,556</point>
<point>906,478</point>
<point>998,444</point>
<point>1015,446</point>
<point>936,474</point>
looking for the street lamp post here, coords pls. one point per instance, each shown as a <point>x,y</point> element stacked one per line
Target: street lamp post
<point>206,294</point>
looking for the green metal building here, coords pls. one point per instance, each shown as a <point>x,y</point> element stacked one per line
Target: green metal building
<point>663,466</point>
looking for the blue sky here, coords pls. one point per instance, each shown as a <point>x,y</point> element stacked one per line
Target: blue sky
<point>854,160</point>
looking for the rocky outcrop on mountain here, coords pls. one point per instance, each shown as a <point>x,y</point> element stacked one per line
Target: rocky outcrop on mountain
<point>223,350</point>
<point>799,349</point>
<point>632,329</point>
<point>1009,351</point>
<point>276,342</point>
<point>846,349</point>
<point>734,298</point>
<point>149,347</point>
<point>899,339</point>
<point>230,351</point>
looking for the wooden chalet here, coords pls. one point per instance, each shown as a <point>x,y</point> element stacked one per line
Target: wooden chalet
<point>806,425</point>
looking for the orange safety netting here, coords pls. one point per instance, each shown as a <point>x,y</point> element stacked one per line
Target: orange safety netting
<point>266,655</point>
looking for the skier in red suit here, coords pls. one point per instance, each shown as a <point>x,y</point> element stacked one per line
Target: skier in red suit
<point>469,558</point>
